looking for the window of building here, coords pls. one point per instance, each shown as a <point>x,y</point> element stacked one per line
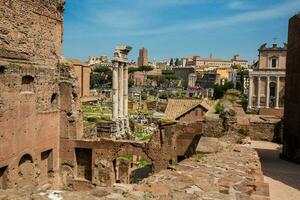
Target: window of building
<point>2,69</point>
<point>274,62</point>
<point>47,164</point>
<point>27,84</point>
<point>54,99</point>
<point>3,178</point>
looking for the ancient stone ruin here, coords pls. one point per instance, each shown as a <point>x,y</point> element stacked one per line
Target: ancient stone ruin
<point>120,91</point>
<point>43,144</point>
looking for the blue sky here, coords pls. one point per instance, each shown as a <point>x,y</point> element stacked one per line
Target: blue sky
<point>175,28</point>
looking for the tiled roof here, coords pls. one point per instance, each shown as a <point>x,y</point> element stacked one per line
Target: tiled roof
<point>178,107</point>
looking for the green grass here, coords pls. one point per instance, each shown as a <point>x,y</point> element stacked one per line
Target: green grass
<point>128,157</point>
<point>142,163</point>
<point>141,136</point>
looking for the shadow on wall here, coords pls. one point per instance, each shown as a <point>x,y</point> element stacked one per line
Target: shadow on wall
<point>277,169</point>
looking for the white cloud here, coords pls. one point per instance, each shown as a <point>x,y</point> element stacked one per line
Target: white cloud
<point>118,19</point>
<point>239,5</point>
<point>273,12</point>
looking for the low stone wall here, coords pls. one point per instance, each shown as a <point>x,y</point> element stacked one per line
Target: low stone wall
<point>262,131</point>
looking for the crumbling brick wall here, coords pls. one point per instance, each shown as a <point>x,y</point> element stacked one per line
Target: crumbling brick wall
<point>31,31</point>
<point>30,47</point>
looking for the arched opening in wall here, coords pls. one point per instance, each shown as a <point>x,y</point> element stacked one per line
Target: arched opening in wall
<point>2,69</point>
<point>272,95</point>
<point>27,84</point>
<point>3,178</point>
<point>54,99</point>
<point>26,171</point>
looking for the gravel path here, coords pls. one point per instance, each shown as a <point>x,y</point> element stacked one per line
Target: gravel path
<point>282,176</point>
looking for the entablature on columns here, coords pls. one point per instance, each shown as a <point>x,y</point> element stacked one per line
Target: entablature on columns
<point>266,73</point>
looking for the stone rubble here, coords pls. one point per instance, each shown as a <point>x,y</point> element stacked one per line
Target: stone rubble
<point>232,173</point>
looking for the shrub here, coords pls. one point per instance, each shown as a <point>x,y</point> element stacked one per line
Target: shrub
<point>163,95</point>
<point>128,157</point>
<point>142,163</point>
<point>219,108</point>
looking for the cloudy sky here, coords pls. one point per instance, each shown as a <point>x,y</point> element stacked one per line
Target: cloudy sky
<point>175,28</point>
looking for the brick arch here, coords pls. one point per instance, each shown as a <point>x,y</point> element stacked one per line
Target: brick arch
<point>25,158</point>
<point>26,171</point>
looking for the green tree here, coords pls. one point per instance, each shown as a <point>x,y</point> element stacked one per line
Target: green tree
<point>219,90</point>
<point>145,68</point>
<point>102,75</point>
<point>132,70</point>
<point>171,62</point>
<point>144,96</point>
<point>130,82</point>
<point>177,62</point>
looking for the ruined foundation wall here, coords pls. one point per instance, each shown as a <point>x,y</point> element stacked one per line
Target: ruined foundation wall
<point>30,46</point>
<point>291,137</point>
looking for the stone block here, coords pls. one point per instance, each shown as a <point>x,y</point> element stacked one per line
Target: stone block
<point>208,145</point>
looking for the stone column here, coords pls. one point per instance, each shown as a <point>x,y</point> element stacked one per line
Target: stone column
<point>250,92</point>
<point>277,91</point>
<point>121,90</point>
<point>125,85</point>
<point>258,92</point>
<point>115,88</point>
<point>268,92</point>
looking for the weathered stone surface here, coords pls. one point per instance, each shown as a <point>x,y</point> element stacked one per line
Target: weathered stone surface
<point>208,145</point>
<point>34,34</point>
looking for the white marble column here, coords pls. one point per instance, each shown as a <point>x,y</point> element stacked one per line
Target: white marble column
<point>277,91</point>
<point>125,84</point>
<point>121,90</point>
<point>115,89</point>
<point>258,92</point>
<point>268,92</point>
<point>250,92</point>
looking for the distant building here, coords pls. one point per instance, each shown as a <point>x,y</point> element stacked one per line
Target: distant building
<point>192,80</point>
<point>139,78</point>
<point>143,57</point>
<point>200,63</point>
<point>208,80</point>
<point>99,61</point>
<point>83,72</point>
<point>267,80</point>
<point>183,73</point>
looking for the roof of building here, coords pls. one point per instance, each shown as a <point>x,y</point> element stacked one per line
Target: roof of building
<point>75,61</point>
<point>178,107</point>
<point>274,47</point>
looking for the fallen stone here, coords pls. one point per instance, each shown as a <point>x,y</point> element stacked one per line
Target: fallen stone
<point>193,189</point>
<point>208,145</point>
<point>45,187</point>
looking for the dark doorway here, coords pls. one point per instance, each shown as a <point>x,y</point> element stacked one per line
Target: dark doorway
<point>84,163</point>
<point>272,95</point>
<point>47,164</point>
<point>3,177</point>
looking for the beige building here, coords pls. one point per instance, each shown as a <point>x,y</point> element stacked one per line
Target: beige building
<point>201,63</point>
<point>83,73</point>
<point>267,80</point>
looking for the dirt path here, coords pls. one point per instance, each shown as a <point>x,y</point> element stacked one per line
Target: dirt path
<point>282,176</point>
